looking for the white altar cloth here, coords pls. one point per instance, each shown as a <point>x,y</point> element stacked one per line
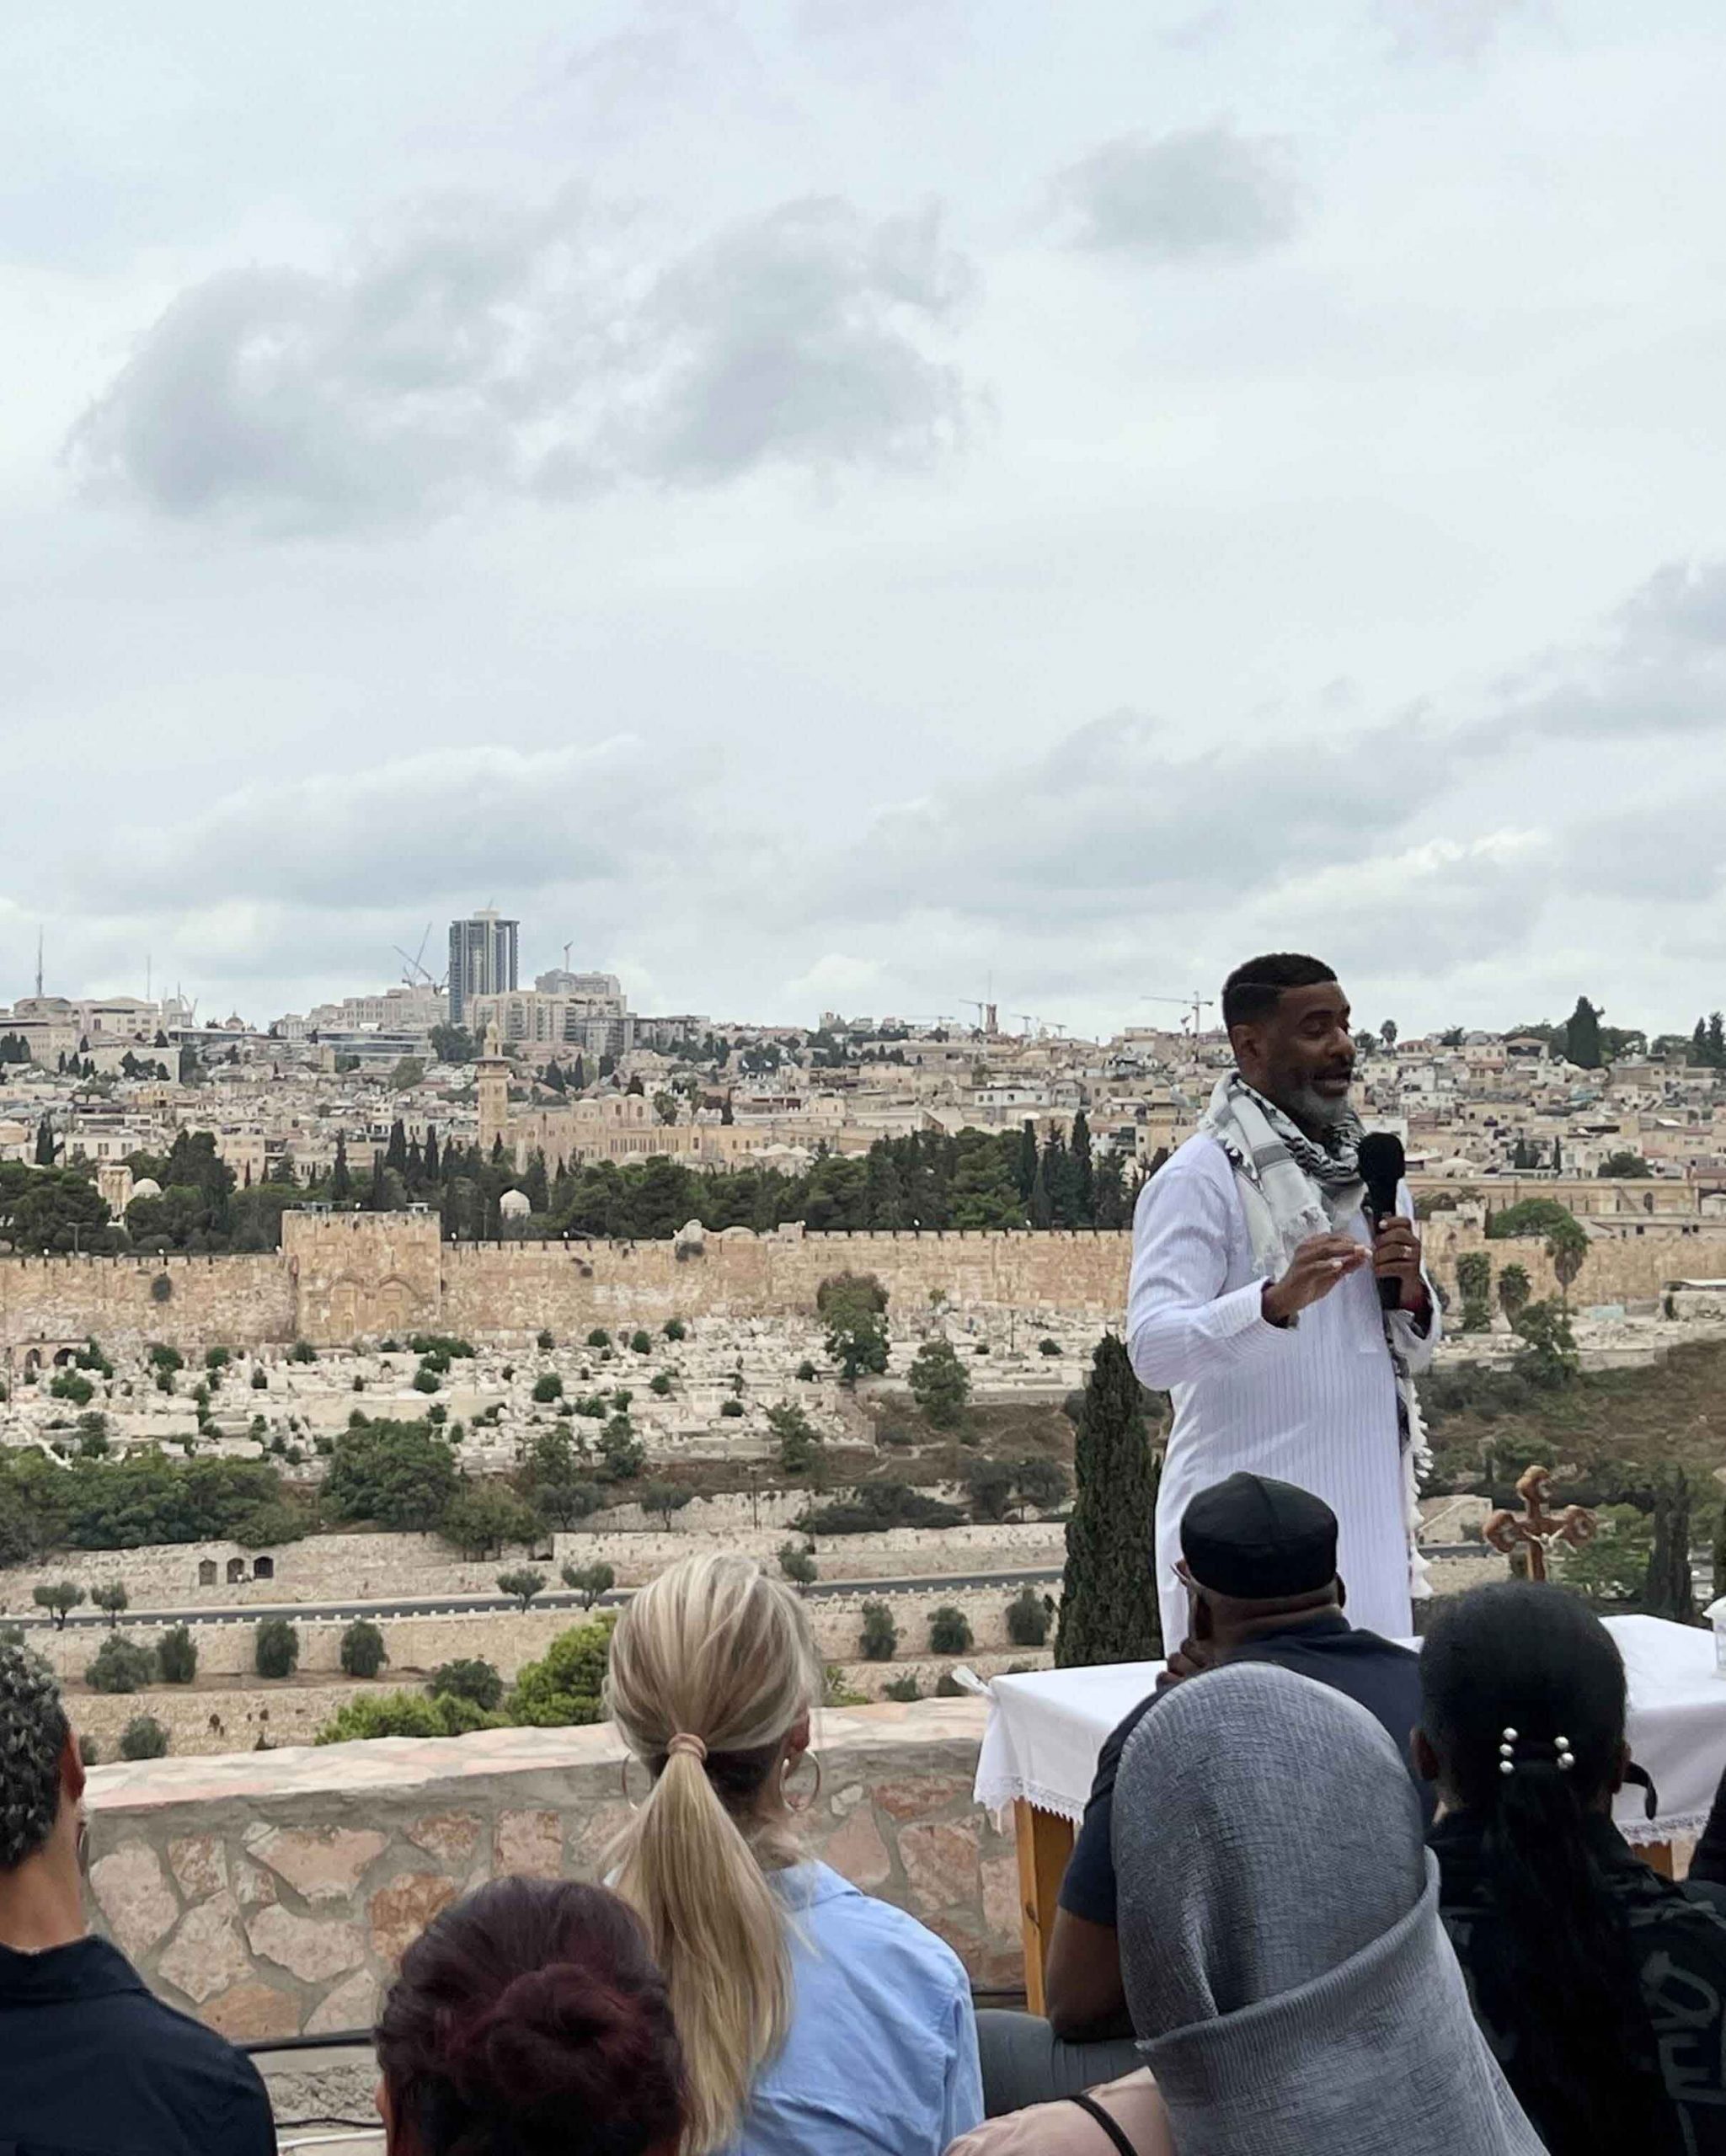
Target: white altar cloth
<point>1045,1729</point>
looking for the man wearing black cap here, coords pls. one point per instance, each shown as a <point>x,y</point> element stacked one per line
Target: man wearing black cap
<point>1258,1564</point>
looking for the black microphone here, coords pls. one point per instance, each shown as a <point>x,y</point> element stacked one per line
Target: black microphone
<point>1382,1161</point>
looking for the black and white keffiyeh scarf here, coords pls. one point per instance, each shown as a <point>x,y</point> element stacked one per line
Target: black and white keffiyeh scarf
<point>1291,1189</point>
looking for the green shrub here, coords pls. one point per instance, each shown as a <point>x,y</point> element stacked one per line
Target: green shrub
<point>89,1751</point>
<point>565,1685</point>
<point>426,1380</point>
<point>363,1652</point>
<point>640,1344</point>
<point>599,1338</point>
<point>69,1384</point>
<point>947,1686</point>
<point>806,1371</point>
<point>589,1581</point>
<point>1048,1346</point>
<point>675,1329</point>
<point>177,1655</point>
<point>547,1386</point>
<point>546,1343</point>
<point>950,1631</point>
<point>144,1738</point>
<point>905,1687</point>
<point>217,1358</point>
<point>880,1635</point>
<point>660,1383</point>
<point>404,1714</point>
<point>302,1351</point>
<point>275,1648</point>
<point>478,1682</point>
<point>522,1584</point>
<point>731,1409</point>
<point>261,1383</point>
<point>120,1665</point>
<point>1027,1620</point>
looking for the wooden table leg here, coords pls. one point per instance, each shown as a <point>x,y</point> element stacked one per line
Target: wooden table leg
<point>1045,1841</point>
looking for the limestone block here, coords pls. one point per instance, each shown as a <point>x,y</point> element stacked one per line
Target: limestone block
<point>401,1911</point>
<point>530,1842</point>
<point>200,1863</point>
<point>857,1851</point>
<point>321,1864</point>
<point>352,2005</point>
<point>308,1947</point>
<point>135,1897</point>
<point>206,1955</point>
<point>846,1800</point>
<point>919,1796</point>
<point>940,1861</point>
<point>252,2013</point>
<point>595,1829</point>
<point>450,1837</point>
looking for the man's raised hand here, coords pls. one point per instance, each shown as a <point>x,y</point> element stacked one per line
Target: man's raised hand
<point>1314,1271</point>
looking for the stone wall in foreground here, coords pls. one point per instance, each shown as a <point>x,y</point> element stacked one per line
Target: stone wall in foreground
<point>272,1894</point>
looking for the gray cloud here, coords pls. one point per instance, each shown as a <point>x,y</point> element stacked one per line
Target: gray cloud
<point>1201,193</point>
<point>1447,30</point>
<point>1658,668</point>
<point>410,831</point>
<point>474,350</point>
<point>1112,821</point>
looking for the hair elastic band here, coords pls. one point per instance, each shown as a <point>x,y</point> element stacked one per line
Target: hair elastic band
<point>687,1741</point>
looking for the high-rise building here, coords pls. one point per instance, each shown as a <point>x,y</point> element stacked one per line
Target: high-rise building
<point>482,959</point>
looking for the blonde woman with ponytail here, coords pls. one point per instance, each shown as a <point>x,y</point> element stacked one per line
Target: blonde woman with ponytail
<point>814,2020</point>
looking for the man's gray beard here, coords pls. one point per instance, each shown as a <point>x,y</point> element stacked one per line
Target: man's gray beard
<point>1323,1111</point>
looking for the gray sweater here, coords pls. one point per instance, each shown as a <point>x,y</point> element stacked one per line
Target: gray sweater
<point>1287,1975</point>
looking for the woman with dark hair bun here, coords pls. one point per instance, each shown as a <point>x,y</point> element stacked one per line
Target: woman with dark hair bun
<point>526,2021</point>
<point>1600,1986</point>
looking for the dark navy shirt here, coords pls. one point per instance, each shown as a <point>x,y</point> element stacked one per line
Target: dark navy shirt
<point>1384,1677</point>
<point>91,2064</point>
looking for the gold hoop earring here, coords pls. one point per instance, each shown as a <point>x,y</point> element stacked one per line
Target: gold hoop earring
<point>799,1803</point>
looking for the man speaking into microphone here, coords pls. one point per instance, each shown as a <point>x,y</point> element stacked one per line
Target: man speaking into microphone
<point>1285,1307</point>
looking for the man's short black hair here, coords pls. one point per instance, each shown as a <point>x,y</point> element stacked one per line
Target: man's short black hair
<point>1253,991</point>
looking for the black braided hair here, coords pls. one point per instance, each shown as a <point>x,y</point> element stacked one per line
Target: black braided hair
<point>1550,1956</point>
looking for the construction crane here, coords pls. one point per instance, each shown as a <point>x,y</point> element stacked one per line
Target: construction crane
<point>1194,1006</point>
<point>417,976</point>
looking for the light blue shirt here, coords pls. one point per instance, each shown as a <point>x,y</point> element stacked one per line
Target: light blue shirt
<point>881,2059</point>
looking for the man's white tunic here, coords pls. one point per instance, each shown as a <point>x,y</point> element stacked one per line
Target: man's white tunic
<point>1313,1403</point>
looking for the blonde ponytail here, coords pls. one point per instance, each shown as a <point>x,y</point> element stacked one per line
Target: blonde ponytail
<point>715,1650</point>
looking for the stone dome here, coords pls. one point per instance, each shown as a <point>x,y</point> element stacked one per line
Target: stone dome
<point>147,1187</point>
<point>515,1205</point>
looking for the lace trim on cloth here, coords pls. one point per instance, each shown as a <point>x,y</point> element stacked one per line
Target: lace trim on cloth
<point>998,1793</point>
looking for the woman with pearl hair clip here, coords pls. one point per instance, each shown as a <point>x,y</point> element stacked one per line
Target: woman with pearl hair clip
<point>1601,1986</point>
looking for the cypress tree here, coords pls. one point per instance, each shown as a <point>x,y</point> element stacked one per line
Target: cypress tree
<point>1582,1035</point>
<point>1716,1038</point>
<point>578,1077</point>
<point>1667,1591</point>
<point>1108,1594</point>
<point>416,1165</point>
<point>1083,1177</point>
<point>1699,1042</point>
<point>379,1199</point>
<point>396,1153</point>
<point>341,1184</point>
<point>1042,1210</point>
<point>45,1144</point>
<point>430,1166</point>
<point>536,1185</point>
<point>1027,1162</point>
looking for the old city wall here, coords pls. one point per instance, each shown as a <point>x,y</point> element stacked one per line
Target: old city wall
<point>498,1289</point>
<point>339,1279</point>
<point>273,1893</point>
<point>123,1302</point>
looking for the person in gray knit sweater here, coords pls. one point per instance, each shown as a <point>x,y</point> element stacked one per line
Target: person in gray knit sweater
<point>1288,1977</point>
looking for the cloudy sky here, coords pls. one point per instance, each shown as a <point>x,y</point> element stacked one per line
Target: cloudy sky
<point>840,503</point>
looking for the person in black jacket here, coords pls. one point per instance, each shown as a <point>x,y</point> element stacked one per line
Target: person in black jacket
<point>1600,1986</point>
<point>90,2063</point>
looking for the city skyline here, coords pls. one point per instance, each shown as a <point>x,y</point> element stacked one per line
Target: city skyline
<point>1053,490</point>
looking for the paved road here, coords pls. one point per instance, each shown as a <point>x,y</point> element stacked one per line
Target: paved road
<point>467,1605</point>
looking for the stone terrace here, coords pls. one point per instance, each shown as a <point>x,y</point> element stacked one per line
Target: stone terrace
<point>272,1894</point>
